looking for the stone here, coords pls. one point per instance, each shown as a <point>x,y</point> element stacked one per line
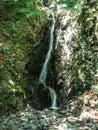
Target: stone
<point>27,126</point>
<point>67,126</point>
<point>31,116</point>
<point>34,127</point>
<point>87,128</point>
<point>20,129</point>
<point>71,120</point>
<point>12,125</point>
<point>45,121</point>
<point>24,123</point>
<point>12,115</point>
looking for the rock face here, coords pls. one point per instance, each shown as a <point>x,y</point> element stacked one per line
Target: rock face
<point>21,47</point>
<point>74,61</point>
<point>66,42</point>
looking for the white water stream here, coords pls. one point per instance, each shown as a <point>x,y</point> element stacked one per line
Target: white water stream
<point>43,75</point>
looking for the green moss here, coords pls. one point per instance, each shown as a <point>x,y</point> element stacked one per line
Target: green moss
<point>20,36</point>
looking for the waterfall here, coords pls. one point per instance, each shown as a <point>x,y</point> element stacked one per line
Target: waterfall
<point>43,75</point>
<point>53,97</point>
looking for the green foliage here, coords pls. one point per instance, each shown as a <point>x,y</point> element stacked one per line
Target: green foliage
<point>7,98</point>
<point>71,5</point>
<point>29,13</point>
<point>18,8</point>
<point>85,56</point>
<point>30,9</point>
<point>20,30</point>
<point>72,9</point>
<point>79,93</point>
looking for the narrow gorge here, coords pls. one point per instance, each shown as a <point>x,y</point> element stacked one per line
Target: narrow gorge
<point>49,65</point>
<point>44,71</point>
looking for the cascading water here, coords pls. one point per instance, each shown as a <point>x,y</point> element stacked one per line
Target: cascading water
<point>44,71</point>
<point>43,74</point>
<point>53,98</point>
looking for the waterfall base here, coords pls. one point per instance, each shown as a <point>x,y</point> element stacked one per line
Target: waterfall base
<point>54,108</point>
<point>46,97</point>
